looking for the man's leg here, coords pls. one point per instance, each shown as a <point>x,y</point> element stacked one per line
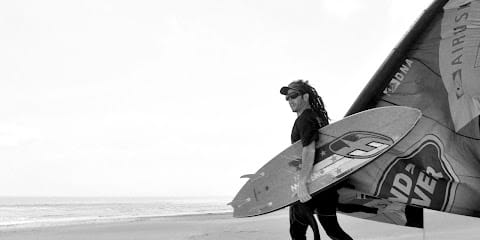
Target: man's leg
<point>301,216</point>
<point>332,228</point>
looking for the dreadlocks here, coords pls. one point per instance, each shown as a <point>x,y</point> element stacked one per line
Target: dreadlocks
<point>316,103</point>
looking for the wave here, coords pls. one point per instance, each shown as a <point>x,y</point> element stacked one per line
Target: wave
<point>44,212</point>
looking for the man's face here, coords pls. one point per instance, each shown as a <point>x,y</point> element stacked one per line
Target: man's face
<point>295,99</point>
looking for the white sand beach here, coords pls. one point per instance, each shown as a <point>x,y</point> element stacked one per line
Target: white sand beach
<point>274,226</point>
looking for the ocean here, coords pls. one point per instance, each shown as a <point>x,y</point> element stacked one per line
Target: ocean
<point>27,212</point>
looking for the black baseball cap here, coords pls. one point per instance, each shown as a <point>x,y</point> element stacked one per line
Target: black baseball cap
<point>298,86</point>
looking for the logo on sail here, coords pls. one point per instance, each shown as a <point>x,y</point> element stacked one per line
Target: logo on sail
<point>423,177</point>
<point>459,61</point>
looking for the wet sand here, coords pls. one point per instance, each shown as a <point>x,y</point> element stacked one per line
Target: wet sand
<point>274,226</point>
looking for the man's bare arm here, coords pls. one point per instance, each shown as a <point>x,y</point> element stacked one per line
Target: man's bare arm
<point>308,156</point>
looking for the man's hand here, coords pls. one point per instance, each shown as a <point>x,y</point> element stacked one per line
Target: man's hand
<point>302,192</point>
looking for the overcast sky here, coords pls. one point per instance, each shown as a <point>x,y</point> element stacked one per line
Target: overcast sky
<point>172,98</point>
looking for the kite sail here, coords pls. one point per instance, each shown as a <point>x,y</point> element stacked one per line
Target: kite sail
<point>435,68</point>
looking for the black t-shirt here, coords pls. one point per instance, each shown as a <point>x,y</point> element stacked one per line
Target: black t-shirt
<point>306,128</point>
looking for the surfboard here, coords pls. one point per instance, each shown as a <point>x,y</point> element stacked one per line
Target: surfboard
<point>343,148</point>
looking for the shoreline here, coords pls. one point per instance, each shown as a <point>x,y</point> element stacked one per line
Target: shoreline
<point>179,227</point>
<point>222,226</point>
<point>43,212</point>
<point>93,221</point>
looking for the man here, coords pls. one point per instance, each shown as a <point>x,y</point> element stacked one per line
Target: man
<point>311,116</point>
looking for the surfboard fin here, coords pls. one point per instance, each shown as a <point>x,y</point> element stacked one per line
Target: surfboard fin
<point>238,204</point>
<point>247,176</point>
<point>254,176</point>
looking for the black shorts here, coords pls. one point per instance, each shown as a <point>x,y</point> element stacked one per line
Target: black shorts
<point>324,203</point>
